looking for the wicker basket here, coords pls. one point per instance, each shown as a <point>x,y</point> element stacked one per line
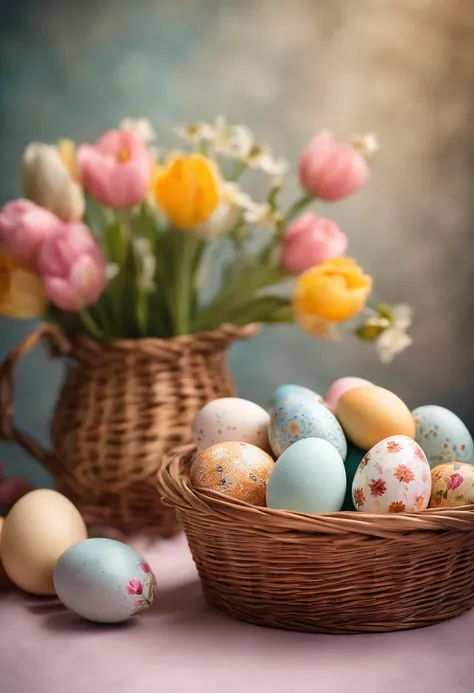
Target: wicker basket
<point>122,406</point>
<point>343,572</point>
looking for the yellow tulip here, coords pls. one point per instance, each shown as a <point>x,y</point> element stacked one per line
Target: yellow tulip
<point>187,190</point>
<point>331,292</point>
<point>22,293</point>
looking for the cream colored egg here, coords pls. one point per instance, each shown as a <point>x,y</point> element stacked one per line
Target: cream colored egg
<point>230,419</point>
<point>36,531</point>
<point>370,414</point>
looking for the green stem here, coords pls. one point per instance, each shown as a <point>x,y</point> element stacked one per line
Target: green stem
<point>184,253</point>
<point>90,324</point>
<point>239,169</point>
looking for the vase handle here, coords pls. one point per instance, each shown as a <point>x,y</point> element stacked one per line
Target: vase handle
<point>8,431</point>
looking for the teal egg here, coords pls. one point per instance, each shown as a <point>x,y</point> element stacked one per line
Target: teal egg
<point>353,459</point>
<point>104,580</point>
<point>296,417</point>
<point>290,389</point>
<point>309,477</point>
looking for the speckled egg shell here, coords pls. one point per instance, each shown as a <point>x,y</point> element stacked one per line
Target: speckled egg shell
<point>239,470</point>
<point>309,477</point>
<point>393,477</point>
<point>296,418</point>
<point>104,580</point>
<point>452,484</point>
<point>231,419</point>
<point>284,390</point>
<point>442,435</point>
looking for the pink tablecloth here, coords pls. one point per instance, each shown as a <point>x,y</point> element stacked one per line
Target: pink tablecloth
<point>181,645</point>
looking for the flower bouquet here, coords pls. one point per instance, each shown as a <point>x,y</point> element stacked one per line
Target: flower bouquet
<point>144,263</point>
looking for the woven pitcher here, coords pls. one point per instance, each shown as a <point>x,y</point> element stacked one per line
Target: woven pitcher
<point>122,406</point>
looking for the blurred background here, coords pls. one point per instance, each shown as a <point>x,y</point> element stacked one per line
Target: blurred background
<point>403,69</point>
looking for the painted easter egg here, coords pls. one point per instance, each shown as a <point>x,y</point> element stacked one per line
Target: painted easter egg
<point>393,477</point>
<point>452,484</point>
<point>237,469</point>
<point>308,477</point>
<point>231,419</point>
<point>296,417</point>
<point>340,387</point>
<point>104,580</point>
<point>370,414</point>
<point>284,390</point>
<point>442,435</point>
<point>353,459</point>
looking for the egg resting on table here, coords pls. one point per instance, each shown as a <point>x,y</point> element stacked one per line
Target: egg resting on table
<point>370,414</point>
<point>231,419</point>
<point>452,484</point>
<point>104,580</point>
<point>442,435</point>
<point>296,417</point>
<point>340,387</point>
<point>393,477</point>
<point>237,469</point>
<point>309,477</point>
<point>36,531</point>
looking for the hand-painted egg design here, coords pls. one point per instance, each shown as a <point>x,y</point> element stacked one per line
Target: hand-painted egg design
<point>104,580</point>
<point>309,477</point>
<point>284,390</point>
<point>442,435</point>
<point>452,485</point>
<point>340,387</point>
<point>296,417</point>
<point>393,477</point>
<point>231,419</point>
<point>237,469</point>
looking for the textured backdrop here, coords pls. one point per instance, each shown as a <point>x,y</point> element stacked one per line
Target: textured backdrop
<point>402,69</point>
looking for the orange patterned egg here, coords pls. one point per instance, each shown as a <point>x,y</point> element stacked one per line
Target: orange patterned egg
<point>239,470</point>
<point>452,484</point>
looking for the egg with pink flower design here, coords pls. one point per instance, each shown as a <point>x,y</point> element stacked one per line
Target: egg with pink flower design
<point>104,580</point>
<point>393,477</point>
<point>452,485</point>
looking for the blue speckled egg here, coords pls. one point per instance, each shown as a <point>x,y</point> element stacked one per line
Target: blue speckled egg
<point>309,477</point>
<point>104,580</point>
<point>284,390</point>
<point>442,435</point>
<point>296,417</point>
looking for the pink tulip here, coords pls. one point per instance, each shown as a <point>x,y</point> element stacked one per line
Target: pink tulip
<point>72,268</point>
<point>330,170</point>
<point>310,240</point>
<point>23,227</point>
<point>116,170</point>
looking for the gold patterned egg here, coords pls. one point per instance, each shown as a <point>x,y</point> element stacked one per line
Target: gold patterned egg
<point>452,484</point>
<point>239,470</point>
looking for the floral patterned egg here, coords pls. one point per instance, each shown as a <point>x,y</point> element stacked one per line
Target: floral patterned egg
<point>239,470</point>
<point>296,417</point>
<point>231,419</point>
<point>442,435</point>
<point>289,389</point>
<point>452,484</point>
<point>393,477</point>
<point>104,580</point>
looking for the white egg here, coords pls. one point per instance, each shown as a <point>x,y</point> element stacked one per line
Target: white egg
<point>231,419</point>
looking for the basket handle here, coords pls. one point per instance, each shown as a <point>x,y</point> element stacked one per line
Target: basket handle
<point>8,431</point>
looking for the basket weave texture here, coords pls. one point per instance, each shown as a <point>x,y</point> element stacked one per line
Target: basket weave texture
<point>343,572</point>
<point>123,405</point>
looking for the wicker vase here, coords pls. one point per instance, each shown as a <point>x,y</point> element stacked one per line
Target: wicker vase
<point>123,405</point>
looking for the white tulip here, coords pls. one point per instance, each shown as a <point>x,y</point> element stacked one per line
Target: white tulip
<point>48,182</point>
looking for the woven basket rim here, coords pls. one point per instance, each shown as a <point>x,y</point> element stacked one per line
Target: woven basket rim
<point>174,482</point>
<point>226,332</point>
